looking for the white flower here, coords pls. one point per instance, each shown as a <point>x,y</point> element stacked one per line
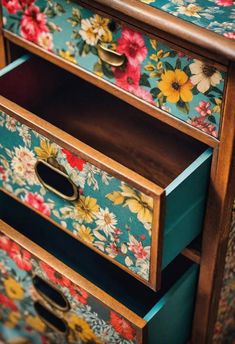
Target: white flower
<point>45,40</point>
<point>204,76</point>
<point>190,10</point>
<point>23,165</point>
<point>24,133</point>
<point>106,221</point>
<point>88,33</point>
<point>11,123</point>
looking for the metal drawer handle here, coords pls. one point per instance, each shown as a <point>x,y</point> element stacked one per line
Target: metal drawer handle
<point>50,293</point>
<point>111,57</point>
<point>50,319</point>
<point>56,181</point>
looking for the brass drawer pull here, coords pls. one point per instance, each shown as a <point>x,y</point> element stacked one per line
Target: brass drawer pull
<point>50,319</point>
<point>50,293</point>
<point>55,180</point>
<point>111,57</point>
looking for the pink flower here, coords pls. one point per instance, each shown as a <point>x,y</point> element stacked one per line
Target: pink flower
<point>3,174</point>
<point>199,122</point>
<point>138,250</point>
<point>230,35</point>
<point>5,243</point>
<point>37,202</point>
<point>21,257</point>
<point>132,44</point>
<point>224,2</point>
<point>143,94</point>
<point>33,23</point>
<point>12,6</point>
<point>204,108</point>
<point>73,160</point>
<point>129,78</point>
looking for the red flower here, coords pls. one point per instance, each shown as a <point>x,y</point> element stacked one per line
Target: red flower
<point>132,44</point>
<point>79,294</point>
<point>37,202</point>
<point>224,2</point>
<point>204,108</point>
<point>21,257</point>
<point>12,6</point>
<point>73,160</point>
<point>129,78</point>
<point>122,326</point>
<point>55,276</point>
<point>5,301</point>
<point>5,243</point>
<point>33,23</point>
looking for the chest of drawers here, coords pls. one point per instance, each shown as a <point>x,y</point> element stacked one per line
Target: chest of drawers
<point>129,186</point>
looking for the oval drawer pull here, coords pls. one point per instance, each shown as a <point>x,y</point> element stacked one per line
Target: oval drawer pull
<point>50,293</point>
<point>56,181</point>
<point>50,319</point>
<point>111,57</point>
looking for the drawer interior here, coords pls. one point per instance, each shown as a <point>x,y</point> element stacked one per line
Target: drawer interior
<point>105,275</point>
<point>147,146</point>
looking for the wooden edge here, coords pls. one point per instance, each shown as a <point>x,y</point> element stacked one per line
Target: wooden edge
<point>77,147</point>
<point>54,223</point>
<point>76,278</point>
<point>192,254</point>
<point>3,61</point>
<point>217,223</point>
<point>116,91</point>
<point>185,30</point>
<point>157,242</point>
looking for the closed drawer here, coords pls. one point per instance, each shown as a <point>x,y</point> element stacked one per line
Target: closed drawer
<point>137,191</point>
<point>151,70</point>
<point>46,301</point>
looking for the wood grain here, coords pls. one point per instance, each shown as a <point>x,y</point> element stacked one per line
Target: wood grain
<point>217,223</point>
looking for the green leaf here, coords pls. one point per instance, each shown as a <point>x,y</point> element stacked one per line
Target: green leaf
<point>144,80</point>
<point>212,119</point>
<point>178,64</point>
<point>80,46</point>
<point>183,107</point>
<point>86,49</point>
<point>93,50</point>
<point>195,91</point>
<point>59,8</point>
<point>107,70</point>
<point>76,34</point>
<point>173,53</point>
<point>155,91</point>
<point>187,70</point>
<point>216,89</point>
<point>168,66</point>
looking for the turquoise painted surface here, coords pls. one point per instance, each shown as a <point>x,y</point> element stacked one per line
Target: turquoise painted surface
<point>88,320</point>
<point>170,320</point>
<point>110,215</point>
<point>182,86</point>
<point>214,15</point>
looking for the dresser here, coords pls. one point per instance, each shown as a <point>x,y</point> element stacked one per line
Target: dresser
<point>117,123</point>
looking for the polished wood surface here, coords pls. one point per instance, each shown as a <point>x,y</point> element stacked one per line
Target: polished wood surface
<point>217,223</point>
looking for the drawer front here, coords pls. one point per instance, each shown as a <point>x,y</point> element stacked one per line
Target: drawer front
<point>186,88</point>
<point>85,318</point>
<point>110,216</point>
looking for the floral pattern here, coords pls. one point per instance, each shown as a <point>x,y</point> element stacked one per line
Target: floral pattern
<point>154,72</point>
<point>109,215</point>
<point>88,320</point>
<point>214,15</point>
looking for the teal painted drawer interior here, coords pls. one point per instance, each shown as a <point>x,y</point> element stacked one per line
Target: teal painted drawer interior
<point>141,186</point>
<point>151,70</point>
<point>103,304</point>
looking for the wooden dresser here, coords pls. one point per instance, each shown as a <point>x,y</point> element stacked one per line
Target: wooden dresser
<point>117,126</point>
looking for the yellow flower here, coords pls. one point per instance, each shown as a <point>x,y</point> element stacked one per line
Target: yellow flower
<point>13,289</point>
<point>85,234</point>
<point>142,206</point>
<point>67,56</point>
<point>100,27</point>
<point>217,107</point>
<point>86,208</point>
<point>36,323</point>
<point>12,320</point>
<point>46,150</point>
<point>175,85</point>
<point>190,10</point>
<point>81,330</point>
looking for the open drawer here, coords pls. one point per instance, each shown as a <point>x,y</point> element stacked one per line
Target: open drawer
<point>127,186</point>
<point>47,301</point>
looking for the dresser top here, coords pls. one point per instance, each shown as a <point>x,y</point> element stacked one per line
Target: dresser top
<point>209,24</point>
<point>214,15</point>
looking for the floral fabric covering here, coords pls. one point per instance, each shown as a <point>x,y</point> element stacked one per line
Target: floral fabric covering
<point>214,15</point>
<point>88,320</point>
<point>110,215</point>
<point>225,325</point>
<point>180,85</point>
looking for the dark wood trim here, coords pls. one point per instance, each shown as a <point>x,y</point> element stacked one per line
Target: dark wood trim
<point>188,32</point>
<point>217,223</point>
<point>2,45</point>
